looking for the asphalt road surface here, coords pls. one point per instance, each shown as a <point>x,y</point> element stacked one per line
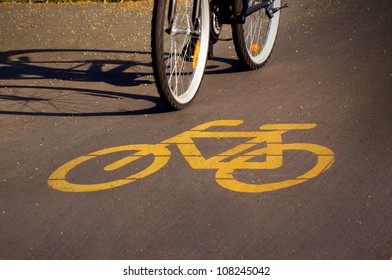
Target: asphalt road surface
<point>75,79</point>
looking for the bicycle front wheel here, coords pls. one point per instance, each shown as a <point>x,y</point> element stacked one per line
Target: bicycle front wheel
<point>179,43</point>
<point>255,39</point>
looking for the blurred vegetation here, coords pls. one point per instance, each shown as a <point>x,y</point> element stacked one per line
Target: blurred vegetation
<point>65,1</point>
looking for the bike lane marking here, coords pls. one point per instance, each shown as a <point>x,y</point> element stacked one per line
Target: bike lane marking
<point>225,163</point>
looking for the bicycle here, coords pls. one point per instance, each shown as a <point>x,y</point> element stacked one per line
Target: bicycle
<point>184,32</point>
<point>241,157</point>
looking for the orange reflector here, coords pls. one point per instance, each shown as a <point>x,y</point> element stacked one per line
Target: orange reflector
<point>196,54</point>
<point>255,47</point>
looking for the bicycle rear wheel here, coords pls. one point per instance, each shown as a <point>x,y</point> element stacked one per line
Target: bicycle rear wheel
<point>255,39</point>
<point>179,43</point>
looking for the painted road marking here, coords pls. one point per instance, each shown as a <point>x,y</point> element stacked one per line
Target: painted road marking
<point>245,156</point>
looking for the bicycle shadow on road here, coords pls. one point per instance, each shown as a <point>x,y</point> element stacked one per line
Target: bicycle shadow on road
<point>76,82</point>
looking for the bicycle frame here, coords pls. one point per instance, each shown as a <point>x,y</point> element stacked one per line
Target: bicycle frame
<point>184,32</point>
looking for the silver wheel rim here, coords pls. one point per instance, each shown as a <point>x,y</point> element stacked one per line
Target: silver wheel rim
<point>260,33</point>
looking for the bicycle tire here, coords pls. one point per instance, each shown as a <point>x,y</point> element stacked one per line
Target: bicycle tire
<point>58,179</point>
<point>255,39</point>
<point>179,59</point>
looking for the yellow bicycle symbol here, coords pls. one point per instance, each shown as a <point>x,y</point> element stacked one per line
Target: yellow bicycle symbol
<point>239,157</point>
